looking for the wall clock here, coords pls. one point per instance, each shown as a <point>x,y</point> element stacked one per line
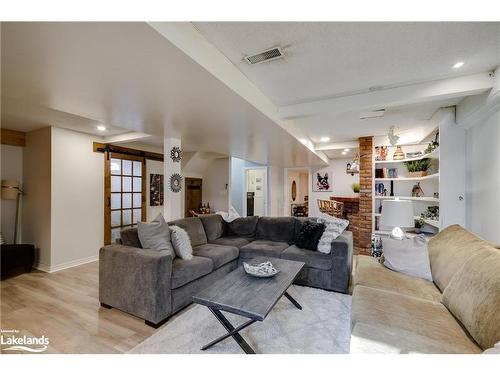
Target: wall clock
<point>176,182</point>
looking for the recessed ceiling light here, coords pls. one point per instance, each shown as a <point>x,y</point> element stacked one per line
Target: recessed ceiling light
<point>346,150</point>
<point>101,128</point>
<point>325,139</point>
<point>458,65</point>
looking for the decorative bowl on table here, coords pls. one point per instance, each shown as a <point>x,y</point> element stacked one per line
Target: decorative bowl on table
<point>265,269</point>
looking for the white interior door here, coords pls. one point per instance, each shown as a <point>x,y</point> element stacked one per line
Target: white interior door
<point>256,182</point>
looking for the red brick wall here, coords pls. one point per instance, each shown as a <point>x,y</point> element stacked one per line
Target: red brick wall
<point>364,224</point>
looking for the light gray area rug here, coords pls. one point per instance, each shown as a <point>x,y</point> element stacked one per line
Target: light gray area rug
<point>322,326</point>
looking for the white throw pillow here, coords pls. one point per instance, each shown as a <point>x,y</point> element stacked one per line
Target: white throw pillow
<point>155,235</point>
<point>408,256</point>
<point>181,243</point>
<point>333,228</point>
<point>494,350</point>
<point>229,216</point>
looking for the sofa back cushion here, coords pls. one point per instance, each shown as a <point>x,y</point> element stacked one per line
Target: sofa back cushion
<point>214,226</point>
<point>242,227</point>
<point>449,250</point>
<point>473,297</point>
<point>194,229</point>
<point>130,237</point>
<point>279,229</point>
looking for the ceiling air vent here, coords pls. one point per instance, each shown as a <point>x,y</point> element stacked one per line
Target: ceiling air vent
<point>373,114</point>
<point>264,56</point>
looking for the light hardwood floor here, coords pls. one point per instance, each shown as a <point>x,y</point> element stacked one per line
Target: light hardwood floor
<point>64,306</point>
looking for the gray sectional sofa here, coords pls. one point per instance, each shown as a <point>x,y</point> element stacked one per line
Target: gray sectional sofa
<point>153,285</point>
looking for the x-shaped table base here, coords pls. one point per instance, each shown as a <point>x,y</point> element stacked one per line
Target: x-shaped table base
<point>233,332</point>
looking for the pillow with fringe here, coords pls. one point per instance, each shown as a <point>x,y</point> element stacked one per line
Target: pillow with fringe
<point>333,228</point>
<point>181,243</point>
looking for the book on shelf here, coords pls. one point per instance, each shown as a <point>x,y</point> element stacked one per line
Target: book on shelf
<point>386,173</point>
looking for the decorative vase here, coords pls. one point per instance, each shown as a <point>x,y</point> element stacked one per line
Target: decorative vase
<point>398,154</point>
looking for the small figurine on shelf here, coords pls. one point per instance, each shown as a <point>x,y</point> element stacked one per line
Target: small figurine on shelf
<point>383,152</point>
<point>417,191</point>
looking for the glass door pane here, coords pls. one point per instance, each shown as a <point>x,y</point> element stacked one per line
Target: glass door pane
<point>125,196</point>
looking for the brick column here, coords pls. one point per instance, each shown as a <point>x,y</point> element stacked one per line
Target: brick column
<point>365,195</point>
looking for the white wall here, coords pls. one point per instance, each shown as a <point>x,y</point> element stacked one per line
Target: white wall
<point>215,184</point>
<point>480,115</point>
<point>77,199</point>
<point>483,179</point>
<point>12,169</point>
<point>155,167</point>
<point>340,182</point>
<point>36,221</point>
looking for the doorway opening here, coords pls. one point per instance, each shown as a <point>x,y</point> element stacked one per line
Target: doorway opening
<point>297,183</point>
<point>255,192</point>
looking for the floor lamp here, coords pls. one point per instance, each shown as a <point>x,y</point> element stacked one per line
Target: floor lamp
<point>12,191</point>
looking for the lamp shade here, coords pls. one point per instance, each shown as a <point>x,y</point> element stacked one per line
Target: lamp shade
<point>397,213</point>
<point>10,189</point>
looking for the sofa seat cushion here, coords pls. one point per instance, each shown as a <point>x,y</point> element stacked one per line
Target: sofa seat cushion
<point>263,248</point>
<point>379,339</point>
<point>311,258</point>
<point>473,297</point>
<point>238,242</point>
<point>194,228</point>
<point>278,229</point>
<point>219,254</point>
<point>389,310</point>
<point>369,272</point>
<point>449,250</point>
<point>213,225</point>
<point>185,271</point>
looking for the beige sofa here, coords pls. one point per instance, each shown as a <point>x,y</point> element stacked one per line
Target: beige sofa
<point>458,313</point>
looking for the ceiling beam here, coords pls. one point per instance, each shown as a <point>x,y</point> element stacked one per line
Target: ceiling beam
<point>402,95</point>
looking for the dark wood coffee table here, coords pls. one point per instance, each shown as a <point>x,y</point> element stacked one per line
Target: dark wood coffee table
<point>248,296</point>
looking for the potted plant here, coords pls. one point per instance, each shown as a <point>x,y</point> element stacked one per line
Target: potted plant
<point>418,168</point>
<point>419,223</point>
<point>355,188</point>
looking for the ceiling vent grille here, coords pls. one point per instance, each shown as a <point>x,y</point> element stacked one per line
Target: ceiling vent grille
<point>264,56</point>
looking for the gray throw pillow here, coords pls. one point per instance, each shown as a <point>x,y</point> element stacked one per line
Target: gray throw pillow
<point>181,243</point>
<point>408,256</point>
<point>155,235</point>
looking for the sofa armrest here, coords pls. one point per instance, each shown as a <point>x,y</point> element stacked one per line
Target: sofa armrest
<point>342,252</point>
<point>136,281</point>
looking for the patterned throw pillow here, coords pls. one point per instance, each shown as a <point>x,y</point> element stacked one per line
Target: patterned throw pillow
<point>309,235</point>
<point>333,228</point>
<point>181,243</point>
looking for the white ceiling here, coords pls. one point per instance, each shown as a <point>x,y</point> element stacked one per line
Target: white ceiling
<point>327,62</point>
<point>324,59</point>
<point>128,76</point>
<point>134,78</point>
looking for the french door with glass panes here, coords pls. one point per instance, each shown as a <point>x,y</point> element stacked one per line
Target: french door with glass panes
<point>125,196</point>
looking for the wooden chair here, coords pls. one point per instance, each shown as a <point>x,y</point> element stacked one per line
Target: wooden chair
<point>332,208</point>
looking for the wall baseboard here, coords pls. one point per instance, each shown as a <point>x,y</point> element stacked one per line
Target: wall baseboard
<point>59,267</point>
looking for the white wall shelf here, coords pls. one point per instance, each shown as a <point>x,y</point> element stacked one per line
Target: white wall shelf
<point>424,199</point>
<point>403,184</point>
<point>428,177</point>
<point>432,155</point>
<point>433,223</point>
